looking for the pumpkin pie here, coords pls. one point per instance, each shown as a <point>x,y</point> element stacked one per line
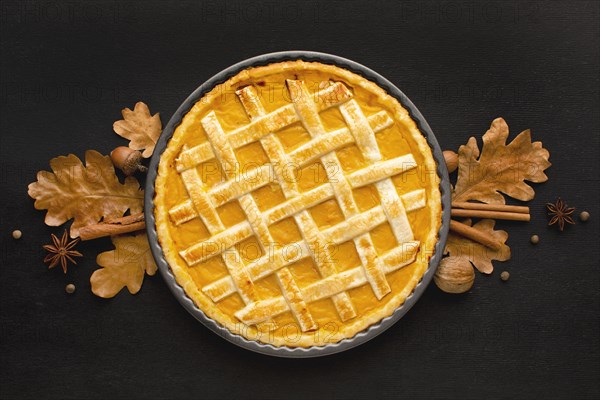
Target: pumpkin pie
<point>297,204</point>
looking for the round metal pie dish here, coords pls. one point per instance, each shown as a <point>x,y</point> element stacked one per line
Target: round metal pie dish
<point>188,304</point>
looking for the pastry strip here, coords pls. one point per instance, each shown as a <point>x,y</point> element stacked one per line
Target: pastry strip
<point>309,116</point>
<point>346,280</point>
<point>261,126</point>
<point>390,201</point>
<point>225,192</point>
<point>317,248</point>
<point>336,234</point>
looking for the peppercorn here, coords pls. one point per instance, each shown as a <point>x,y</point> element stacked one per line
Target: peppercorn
<point>504,276</point>
<point>535,239</point>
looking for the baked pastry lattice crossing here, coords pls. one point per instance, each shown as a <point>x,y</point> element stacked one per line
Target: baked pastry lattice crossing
<point>204,200</point>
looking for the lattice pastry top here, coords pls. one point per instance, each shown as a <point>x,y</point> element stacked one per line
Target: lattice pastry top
<point>297,204</point>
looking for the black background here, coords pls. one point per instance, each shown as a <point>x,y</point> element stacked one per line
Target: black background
<point>68,68</point>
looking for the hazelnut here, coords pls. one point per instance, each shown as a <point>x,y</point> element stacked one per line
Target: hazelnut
<point>451,159</point>
<point>454,275</point>
<point>127,160</point>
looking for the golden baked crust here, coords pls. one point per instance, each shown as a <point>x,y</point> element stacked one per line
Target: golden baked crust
<point>297,204</point>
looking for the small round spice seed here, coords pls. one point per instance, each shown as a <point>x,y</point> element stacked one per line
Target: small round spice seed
<point>535,239</point>
<point>504,276</point>
<point>584,216</point>
<point>70,288</point>
<point>17,234</point>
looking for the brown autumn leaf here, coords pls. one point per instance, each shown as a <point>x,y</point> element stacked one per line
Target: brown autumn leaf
<point>123,267</point>
<point>479,255</point>
<point>140,127</point>
<point>501,168</point>
<point>86,193</point>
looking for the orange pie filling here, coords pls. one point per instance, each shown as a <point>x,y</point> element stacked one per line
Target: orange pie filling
<point>297,204</point>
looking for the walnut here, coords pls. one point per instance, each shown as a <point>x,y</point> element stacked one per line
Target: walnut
<point>454,275</point>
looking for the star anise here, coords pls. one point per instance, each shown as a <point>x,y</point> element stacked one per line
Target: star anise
<point>61,251</point>
<point>560,213</point>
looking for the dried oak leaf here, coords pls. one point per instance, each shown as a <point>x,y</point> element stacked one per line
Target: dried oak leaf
<point>86,193</point>
<point>141,128</point>
<point>479,255</point>
<point>123,266</point>
<point>501,168</point>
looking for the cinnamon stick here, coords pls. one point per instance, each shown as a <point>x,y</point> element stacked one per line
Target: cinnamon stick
<point>115,226</point>
<point>490,207</point>
<point>512,216</point>
<point>475,235</point>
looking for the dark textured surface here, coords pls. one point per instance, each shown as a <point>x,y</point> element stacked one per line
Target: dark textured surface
<point>68,68</point>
